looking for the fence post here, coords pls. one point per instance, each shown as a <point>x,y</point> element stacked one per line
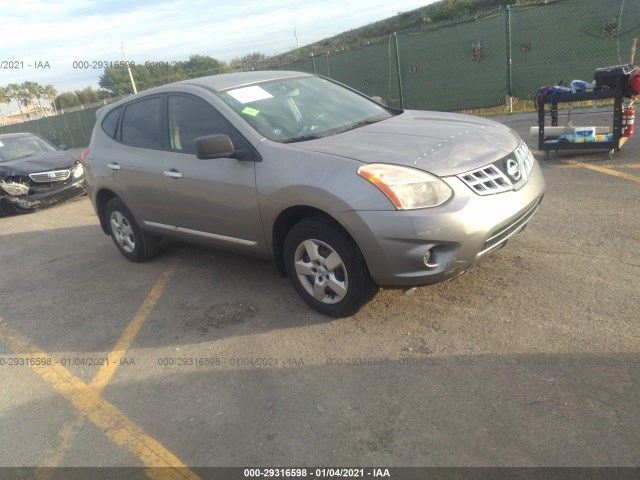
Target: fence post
<point>328,71</point>
<point>395,36</point>
<point>313,63</point>
<point>509,60</point>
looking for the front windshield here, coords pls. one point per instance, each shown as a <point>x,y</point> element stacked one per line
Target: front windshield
<point>303,108</point>
<point>13,148</point>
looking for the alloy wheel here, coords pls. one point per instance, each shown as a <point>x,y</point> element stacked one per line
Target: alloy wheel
<point>123,232</point>
<point>321,271</point>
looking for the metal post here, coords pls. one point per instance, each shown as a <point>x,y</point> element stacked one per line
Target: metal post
<point>509,60</point>
<point>313,63</point>
<point>126,62</point>
<point>328,71</point>
<point>395,36</point>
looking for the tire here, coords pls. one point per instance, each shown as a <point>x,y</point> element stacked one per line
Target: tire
<point>135,244</point>
<point>326,268</point>
<point>6,210</point>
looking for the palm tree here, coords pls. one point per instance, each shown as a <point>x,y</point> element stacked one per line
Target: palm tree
<point>51,94</point>
<point>14,91</point>
<point>25,99</point>
<point>41,95</point>
<point>31,93</point>
<point>4,99</point>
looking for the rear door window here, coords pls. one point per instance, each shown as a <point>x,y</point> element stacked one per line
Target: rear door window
<point>142,123</point>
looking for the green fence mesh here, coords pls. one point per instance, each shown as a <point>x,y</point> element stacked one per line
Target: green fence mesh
<point>299,66</point>
<point>72,129</point>
<point>464,64</point>
<point>456,67</point>
<point>371,70</point>
<point>568,40</point>
<point>477,62</point>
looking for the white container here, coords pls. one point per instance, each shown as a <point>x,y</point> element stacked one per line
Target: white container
<point>585,134</point>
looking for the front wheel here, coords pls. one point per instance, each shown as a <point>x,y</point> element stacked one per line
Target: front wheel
<point>133,243</point>
<point>326,268</point>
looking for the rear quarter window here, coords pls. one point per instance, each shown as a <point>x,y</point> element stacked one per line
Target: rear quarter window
<point>110,122</point>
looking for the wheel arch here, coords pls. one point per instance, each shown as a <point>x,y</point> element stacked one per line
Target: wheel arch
<point>286,220</point>
<point>102,198</point>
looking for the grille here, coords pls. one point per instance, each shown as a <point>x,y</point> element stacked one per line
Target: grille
<point>52,176</point>
<point>486,180</point>
<point>514,227</point>
<point>493,178</point>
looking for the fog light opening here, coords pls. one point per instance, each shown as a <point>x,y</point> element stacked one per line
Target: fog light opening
<point>429,259</point>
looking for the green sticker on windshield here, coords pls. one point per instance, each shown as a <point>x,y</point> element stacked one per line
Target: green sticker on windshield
<point>250,111</point>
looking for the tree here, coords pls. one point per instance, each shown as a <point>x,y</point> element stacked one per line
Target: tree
<point>25,98</point>
<point>30,94</point>
<point>15,94</point>
<point>41,95</point>
<point>251,61</point>
<point>67,100</point>
<point>116,80</point>
<point>153,74</point>
<point>203,65</point>
<point>51,93</point>
<point>4,99</point>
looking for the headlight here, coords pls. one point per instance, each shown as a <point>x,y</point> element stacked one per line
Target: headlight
<point>78,171</point>
<point>525,157</point>
<point>13,188</point>
<point>407,188</point>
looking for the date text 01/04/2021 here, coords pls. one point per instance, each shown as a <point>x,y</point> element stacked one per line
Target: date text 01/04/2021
<point>231,361</point>
<point>316,473</point>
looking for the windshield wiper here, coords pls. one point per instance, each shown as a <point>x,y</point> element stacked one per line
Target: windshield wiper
<point>302,138</point>
<point>355,125</point>
<point>23,156</point>
<point>346,128</point>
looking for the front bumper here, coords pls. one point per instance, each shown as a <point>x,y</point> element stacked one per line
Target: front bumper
<point>36,201</point>
<point>457,234</point>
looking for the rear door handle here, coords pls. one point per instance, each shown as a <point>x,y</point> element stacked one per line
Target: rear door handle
<point>113,166</point>
<point>173,173</point>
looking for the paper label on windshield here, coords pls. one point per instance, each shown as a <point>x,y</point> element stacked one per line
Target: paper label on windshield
<point>1,144</point>
<point>249,94</point>
<point>250,111</point>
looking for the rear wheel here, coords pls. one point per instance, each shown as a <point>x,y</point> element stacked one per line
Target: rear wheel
<point>326,268</point>
<point>133,243</point>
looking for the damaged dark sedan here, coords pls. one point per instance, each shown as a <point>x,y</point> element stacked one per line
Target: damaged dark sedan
<point>35,174</point>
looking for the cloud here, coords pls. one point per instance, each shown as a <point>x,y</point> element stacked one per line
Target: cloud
<point>62,32</point>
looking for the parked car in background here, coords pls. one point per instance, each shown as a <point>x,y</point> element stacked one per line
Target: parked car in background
<point>344,193</point>
<point>35,174</point>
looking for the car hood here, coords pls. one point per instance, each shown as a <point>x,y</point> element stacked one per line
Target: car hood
<point>42,163</point>
<point>440,143</point>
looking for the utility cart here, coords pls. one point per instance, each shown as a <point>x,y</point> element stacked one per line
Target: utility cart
<point>610,83</point>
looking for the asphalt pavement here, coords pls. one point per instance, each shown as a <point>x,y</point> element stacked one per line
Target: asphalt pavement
<point>205,358</point>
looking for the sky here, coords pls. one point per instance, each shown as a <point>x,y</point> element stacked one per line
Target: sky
<point>44,38</point>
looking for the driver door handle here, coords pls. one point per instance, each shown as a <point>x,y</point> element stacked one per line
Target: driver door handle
<point>173,173</point>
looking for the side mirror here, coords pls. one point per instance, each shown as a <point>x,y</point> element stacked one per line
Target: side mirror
<point>214,146</point>
<point>217,146</point>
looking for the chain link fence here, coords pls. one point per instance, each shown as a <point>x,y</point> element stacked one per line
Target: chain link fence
<point>480,61</point>
<point>72,129</point>
<point>466,63</point>
<point>71,126</point>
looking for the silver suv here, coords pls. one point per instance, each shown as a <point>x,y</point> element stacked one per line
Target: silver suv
<point>344,193</point>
